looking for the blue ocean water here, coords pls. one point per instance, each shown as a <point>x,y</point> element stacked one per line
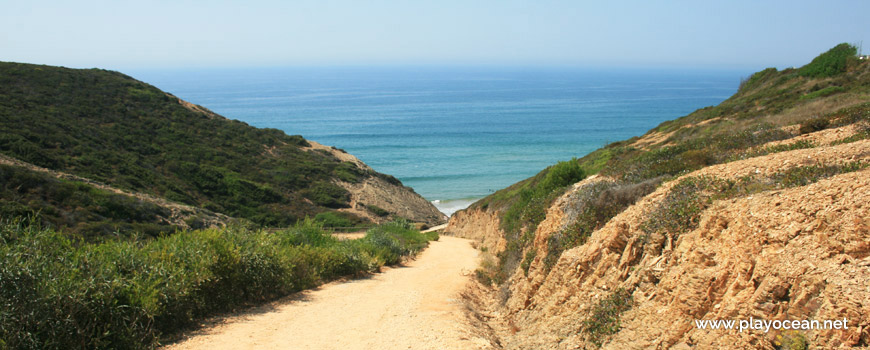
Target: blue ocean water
<point>453,134</point>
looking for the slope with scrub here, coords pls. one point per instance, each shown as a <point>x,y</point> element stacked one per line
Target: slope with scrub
<point>95,130</point>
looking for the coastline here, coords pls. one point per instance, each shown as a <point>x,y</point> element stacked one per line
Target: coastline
<point>450,206</point>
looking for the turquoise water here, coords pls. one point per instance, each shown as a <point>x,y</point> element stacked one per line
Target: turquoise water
<point>453,134</point>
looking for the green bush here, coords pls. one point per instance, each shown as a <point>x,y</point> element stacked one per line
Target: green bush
<point>58,293</point>
<point>328,195</point>
<point>791,340</point>
<point>604,319</point>
<point>828,91</point>
<point>831,63</point>
<point>851,115</point>
<point>805,175</point>
<point>528,209</point>
<point>377,210</point>
<point>681,209</point>
<point>800,144</point>
<point>332,219</point>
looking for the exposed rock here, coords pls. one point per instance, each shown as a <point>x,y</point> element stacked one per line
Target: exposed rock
<point>798,253</point>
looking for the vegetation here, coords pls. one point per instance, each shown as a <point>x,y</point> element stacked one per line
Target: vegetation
<point>791,340</point>
<point>60,293</point>
<point>110,128</point>
<point>830,63</point>
<point>377,210</point>
<point>859,114</point>
<point>593,207</point>
<point>681,209</point>
<point>82,208</point>
<point>800,144</point>
<point>813,125</point>
<point>637,165</point>
<point>337,219</point>
<point>525,206</point>
<point>828,91</point>
<point>604,320</point>
<point>861,135</point>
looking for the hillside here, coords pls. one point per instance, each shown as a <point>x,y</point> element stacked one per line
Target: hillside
<point>96,151</point>
<point>755,208</point>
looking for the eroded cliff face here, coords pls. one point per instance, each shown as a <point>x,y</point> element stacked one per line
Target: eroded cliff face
<point>480,225</point>
<point>778,253</point>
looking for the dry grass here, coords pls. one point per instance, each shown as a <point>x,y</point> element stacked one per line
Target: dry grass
<point>817,107</point>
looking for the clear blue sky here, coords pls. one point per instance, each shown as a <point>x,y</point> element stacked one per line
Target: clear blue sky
<point>121,34</point>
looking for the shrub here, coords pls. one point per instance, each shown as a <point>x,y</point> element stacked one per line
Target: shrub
<point>604,319</point>
<point>756,79</point>
<point>328,195</point>
<point>691,154</point>
<point>377,210</point>
<point>830,63</point>
<point>791,340</point>
<point>336,219</point>
<point>58,293</point>
<point>830,90</point>
<point>595,205</point>
<point>813,125</point>
<point>805,175</point>
<point>681,209</point>
<point>851,115</point>
<point>528,207</point>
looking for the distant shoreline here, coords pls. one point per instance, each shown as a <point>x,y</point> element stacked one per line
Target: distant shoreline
<point>450,206</point>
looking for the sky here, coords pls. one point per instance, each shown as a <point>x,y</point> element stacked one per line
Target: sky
<point>120,34</point>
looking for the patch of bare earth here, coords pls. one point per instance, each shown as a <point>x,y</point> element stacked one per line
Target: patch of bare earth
<point>378,192</point>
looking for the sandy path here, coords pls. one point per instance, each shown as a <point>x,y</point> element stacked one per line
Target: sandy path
<point>411,307</point>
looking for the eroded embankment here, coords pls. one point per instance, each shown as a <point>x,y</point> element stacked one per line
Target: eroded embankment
<point>759,250</point>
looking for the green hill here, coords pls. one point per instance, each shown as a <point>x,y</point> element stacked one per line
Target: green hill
<point>104,127</point>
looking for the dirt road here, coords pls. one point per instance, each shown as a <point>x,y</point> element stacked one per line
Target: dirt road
<point>416,306</point>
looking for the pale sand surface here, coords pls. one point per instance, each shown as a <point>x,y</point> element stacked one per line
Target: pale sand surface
<point>416,306</point>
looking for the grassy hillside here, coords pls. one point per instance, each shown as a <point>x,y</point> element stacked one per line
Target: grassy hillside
<point>113,129</point>
<point>831,91</point>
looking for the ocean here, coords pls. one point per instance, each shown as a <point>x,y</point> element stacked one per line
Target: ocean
<point>454,134</point>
